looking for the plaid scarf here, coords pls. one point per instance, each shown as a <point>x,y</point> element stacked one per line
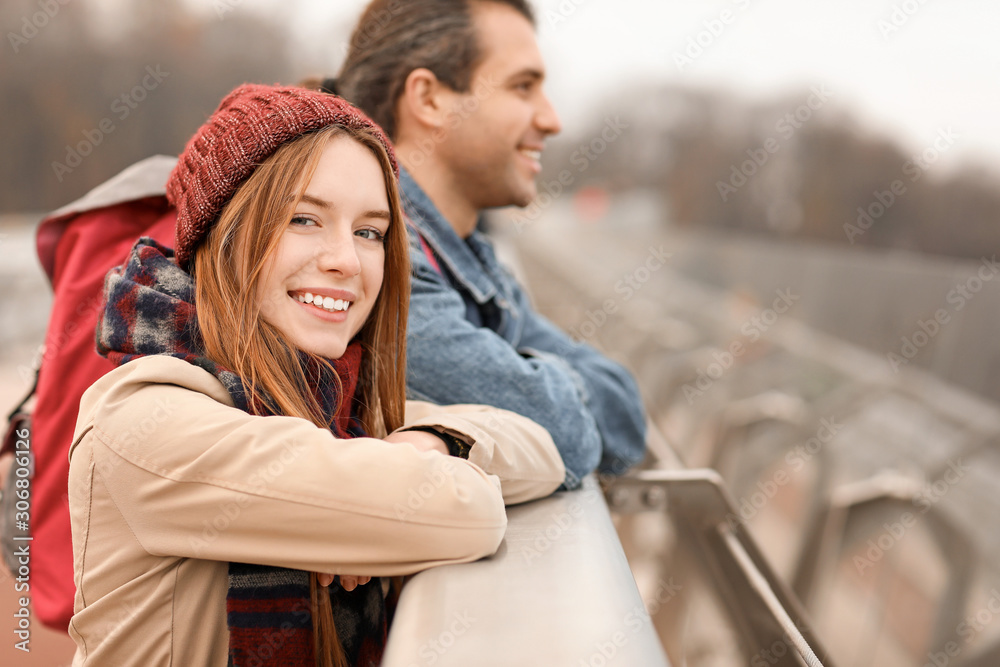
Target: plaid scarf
<point>149,309</point>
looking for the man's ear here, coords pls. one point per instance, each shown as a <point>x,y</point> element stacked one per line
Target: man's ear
<point>424,100</point>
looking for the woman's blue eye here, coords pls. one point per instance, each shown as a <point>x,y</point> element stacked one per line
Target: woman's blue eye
<point>302,220</point>
<point>371,234</point>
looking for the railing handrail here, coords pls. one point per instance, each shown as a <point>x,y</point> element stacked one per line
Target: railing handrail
<point>558,592</point>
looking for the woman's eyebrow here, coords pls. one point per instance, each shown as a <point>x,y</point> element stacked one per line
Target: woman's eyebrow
<point>324,204</point>
<point>316,201</point>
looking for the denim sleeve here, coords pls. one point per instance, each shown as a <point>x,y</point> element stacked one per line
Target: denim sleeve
<point>608,390</point>
<point>450,360</point>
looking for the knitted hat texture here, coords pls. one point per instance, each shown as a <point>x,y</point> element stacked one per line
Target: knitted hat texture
<point>251,123</point>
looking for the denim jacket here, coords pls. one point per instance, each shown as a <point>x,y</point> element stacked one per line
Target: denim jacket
<point>474,338</point>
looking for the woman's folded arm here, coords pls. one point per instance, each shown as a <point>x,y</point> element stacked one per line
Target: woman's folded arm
<point>196,478</point>
<point>514,448</point>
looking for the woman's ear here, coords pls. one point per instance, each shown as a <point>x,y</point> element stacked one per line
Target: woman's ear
<point>424,102</point>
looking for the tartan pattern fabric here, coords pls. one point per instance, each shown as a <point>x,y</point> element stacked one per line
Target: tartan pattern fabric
<point>270,624</point>
<point>149,309</point>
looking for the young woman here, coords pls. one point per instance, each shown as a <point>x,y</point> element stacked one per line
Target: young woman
<point>254,441</point>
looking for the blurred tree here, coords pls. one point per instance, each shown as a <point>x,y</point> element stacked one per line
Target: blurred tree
<point>85,93</point>
<point>784,169</point>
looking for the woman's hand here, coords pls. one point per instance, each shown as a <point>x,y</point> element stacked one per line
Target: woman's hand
<point>347,581</point>
<point>422,440</point>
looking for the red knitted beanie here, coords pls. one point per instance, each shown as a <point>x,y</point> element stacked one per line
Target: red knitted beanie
<point>251,123</point>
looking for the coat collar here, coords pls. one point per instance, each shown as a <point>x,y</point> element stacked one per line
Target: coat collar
<point>465,259</point>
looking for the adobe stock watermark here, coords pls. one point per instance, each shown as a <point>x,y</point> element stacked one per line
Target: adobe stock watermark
<point>627,287</point>
<point>33,24</point>
<point>773,653</point>
<point>272,641</point>
<point>122,107</point>
<point>581,158</point>
<point>229,512</point>
<point>223,7</point>
<point>902,13</point>
<point>967,629</point>
<point>562,12</point>
<point>635,620</point>
<point>796,459</point>
<point>120,620</point>
<point>86,309</point>
<point>913,170</point>
<point>470,104</point>
<point>785,127</point>
<point>956,298</point>
<point>431,651</point>
<point>417,497</point>
<point>560,523</point>
<point>364,34</point>
<point>162,412</point>
<point>752,329</point>
<point>712,29</point>
<point>893,532</point>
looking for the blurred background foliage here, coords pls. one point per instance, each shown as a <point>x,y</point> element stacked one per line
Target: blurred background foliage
<point>717,161</point>
<point>687,145</point>
<point>63,82</point>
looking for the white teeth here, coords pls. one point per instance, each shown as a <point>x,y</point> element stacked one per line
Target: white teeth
<point>534,155</point>
<point>326,303</point>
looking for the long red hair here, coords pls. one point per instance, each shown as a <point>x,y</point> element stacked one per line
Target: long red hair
<point>228,268</point>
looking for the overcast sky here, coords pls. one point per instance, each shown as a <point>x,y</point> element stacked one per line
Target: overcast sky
<point>909,68</point>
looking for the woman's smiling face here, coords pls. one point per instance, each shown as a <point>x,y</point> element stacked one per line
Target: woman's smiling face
<point>321,282</point>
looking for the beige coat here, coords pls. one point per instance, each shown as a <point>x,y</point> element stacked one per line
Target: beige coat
<point>168,483</point>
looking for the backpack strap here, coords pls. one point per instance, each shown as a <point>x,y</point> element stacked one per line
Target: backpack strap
<point>19,417</point>
<point>430,253</point>
<point>424,245</point>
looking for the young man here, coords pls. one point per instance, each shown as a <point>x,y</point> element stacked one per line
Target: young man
<point>457,84</point>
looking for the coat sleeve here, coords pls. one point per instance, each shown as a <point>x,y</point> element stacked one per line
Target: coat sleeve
<point>514,448</point>
<point>194,477</point>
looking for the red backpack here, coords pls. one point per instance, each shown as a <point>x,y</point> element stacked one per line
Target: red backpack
<point>77,245</point>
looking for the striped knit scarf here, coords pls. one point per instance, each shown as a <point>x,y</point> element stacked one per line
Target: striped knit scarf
<point>149,309</point>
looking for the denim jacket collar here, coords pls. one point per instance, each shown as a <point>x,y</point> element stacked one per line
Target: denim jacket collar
<point>466,259</point>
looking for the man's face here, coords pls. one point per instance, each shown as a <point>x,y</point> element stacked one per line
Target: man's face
<point>496,130</point>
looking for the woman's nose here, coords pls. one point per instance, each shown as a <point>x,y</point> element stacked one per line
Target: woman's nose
<point>338,253</point>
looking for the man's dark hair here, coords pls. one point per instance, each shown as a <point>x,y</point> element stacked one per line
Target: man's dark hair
<point>395,37</point>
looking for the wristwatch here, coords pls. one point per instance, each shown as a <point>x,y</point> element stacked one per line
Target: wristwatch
<point>456,446</point>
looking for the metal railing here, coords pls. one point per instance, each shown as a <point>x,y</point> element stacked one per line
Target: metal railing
<point>761,607</point>
<point>557,592</point>
<point>906,427</point>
